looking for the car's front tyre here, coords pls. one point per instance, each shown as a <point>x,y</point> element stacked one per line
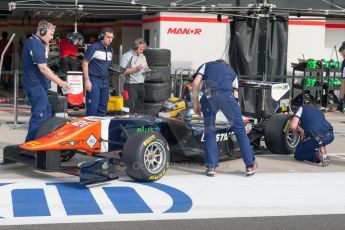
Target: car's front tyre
<point>146,156</point>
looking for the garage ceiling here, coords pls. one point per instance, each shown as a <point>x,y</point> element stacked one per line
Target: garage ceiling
<point>134,9</point>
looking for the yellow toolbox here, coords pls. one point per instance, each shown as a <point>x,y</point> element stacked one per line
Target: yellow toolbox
<point>115,103</point>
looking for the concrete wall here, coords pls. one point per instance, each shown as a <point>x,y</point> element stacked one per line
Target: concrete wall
<point>192,38</point>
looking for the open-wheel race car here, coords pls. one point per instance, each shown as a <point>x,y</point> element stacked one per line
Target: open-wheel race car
<point>142,145</point>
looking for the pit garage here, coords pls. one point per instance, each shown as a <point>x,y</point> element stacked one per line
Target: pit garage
<point>275,47</point>
<point>264,43</point>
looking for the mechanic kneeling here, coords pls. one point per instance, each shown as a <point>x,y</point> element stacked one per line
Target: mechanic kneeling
<point>315,132</point>
<point>219,81</point>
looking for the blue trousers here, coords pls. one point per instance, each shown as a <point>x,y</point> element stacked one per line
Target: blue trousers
<point>40,109</point>
<point>228,105</point>
<point>307,150</point>
<point>97,99</point>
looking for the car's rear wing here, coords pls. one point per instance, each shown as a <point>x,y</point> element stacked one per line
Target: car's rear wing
<point>261,99</point>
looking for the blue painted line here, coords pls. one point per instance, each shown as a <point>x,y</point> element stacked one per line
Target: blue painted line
<point>77,199</point>
<point>126,200</point>
<point>29,202</point>
<point>181,201</point>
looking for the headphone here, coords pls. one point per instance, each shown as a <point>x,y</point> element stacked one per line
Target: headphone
<point>43,31</point>
<point>137,43</point>
<point>101,35</point>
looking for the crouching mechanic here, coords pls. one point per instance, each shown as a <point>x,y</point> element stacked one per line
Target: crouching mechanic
<point>315,132</point>
<point>218,94</point>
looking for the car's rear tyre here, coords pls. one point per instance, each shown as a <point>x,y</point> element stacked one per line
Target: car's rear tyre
<point>146,156</point>
<point>279,138</point>
<point>51,125</point>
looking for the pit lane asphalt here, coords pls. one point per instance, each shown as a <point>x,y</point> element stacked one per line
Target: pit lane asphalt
<point>269,163</point>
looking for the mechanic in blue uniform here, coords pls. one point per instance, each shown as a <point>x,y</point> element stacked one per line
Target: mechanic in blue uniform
<point>315,132</point>
<point>216,80</point>
<point>37,76</point>
<point>341,100</point>
<point>97,59</point>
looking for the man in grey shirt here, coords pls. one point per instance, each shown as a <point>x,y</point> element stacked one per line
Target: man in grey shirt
<point>135,62</point>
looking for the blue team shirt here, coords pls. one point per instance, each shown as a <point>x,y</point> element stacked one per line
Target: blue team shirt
<point>99,57</point>
<point>218,76</point>
<point>313,120</point>
<point>34,53</point>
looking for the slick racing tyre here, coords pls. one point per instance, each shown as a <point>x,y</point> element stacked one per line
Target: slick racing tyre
<point>159,74</point>
<point>157,57</point>
<point>51,125</point>
<point>147,156</point>
<point>157,92</point>
<point>279,138</point>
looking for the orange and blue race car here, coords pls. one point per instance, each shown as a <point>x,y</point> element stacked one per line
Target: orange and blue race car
<point>143,145</point>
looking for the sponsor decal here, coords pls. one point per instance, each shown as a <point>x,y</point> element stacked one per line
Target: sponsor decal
<point>95,118</point>
<point>149,140</point>
<point>81,123</point>
<point>219,137</point>
<point>279,90</point>
<point>71,143</point>
<point>59,134</point>
<point>143,129</point>
<point>185,31</point>
<point>154,178</point>
<point>33,143</point>
<point>91,141</point>
<point>286,127</point>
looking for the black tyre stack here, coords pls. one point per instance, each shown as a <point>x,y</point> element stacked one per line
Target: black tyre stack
<point>157,84</point>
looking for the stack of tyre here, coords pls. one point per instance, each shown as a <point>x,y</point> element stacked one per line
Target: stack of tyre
<point>157,84</point>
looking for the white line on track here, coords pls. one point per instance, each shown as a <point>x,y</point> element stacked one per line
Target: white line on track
<point>280,155</point>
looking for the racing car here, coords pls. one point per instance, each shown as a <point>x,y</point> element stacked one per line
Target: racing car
<point>142,145</point>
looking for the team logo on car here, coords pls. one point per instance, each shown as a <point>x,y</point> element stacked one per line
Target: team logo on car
<point>91,141</point>
<point>81,123</point>
<point>219,137</point>
<point>144,129</point>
